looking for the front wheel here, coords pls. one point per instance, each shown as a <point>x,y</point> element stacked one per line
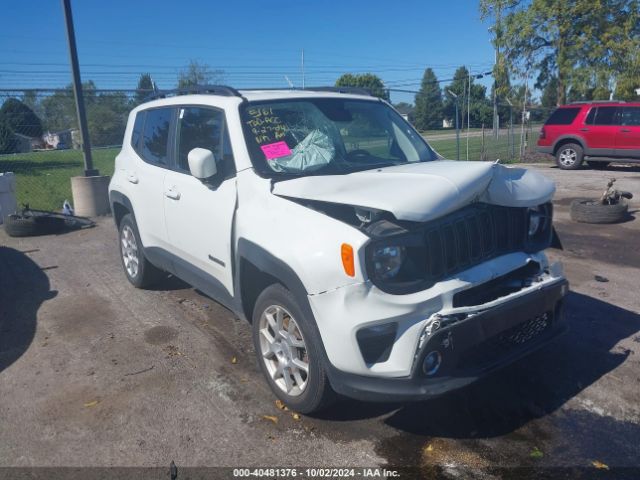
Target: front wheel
<point>288,349</point>
<point>569,156</point>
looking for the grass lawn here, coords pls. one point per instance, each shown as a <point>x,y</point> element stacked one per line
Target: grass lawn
<point>493,148</point>
<point>43,178</point>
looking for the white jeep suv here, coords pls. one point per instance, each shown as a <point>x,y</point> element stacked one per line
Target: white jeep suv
<point>366,264</point>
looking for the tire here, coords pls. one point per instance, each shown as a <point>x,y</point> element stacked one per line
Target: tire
<point>138,270</point>
<point>590,211</point>
<point>302,393</point>
<point>569,156</point>
<point>597,165</point>
<point>29,226</point>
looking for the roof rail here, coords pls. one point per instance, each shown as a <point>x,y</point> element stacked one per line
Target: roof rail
<point>225,91</point>
<point>221,90</point>
<point>351,90</point>
<point>581,102</point>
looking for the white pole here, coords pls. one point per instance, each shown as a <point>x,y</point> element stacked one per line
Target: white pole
<point>524,110</point>
<point>303,68</point>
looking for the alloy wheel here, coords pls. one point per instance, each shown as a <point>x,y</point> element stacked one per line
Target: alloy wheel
<point>283,350</point>
<point>129,251</point>
<point>568,157</point>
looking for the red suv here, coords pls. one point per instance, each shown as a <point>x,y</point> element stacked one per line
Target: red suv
<point>598,132</point>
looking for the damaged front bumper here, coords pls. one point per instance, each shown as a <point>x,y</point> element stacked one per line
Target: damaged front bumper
<point>470,344</point>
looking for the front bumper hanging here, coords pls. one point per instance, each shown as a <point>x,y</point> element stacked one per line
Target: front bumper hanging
<point>469,348</point>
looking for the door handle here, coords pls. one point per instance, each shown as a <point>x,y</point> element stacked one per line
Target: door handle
<point>172,194</point>
<point>625,130</point>
<point>584,129</point>
<point>132,178</point>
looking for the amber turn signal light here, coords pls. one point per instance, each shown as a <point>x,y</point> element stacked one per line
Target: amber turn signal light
<point>346,252</point>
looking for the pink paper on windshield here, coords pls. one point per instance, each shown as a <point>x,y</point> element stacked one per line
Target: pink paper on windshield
<point>276,150</point>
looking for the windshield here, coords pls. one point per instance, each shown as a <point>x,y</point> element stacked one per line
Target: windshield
<point>328,136</point>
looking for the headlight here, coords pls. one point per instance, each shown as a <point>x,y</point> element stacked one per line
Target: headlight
<point>387,261</point>
<point>536,221</point>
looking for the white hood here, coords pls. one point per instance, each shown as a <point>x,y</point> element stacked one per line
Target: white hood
<point>424,191</point>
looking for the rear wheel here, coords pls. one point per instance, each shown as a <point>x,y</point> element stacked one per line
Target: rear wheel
<point>288,350</point>
<point>569,156</point>
<point>139,271</point>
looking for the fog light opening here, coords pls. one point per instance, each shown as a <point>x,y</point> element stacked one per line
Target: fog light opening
<point>431,363</point>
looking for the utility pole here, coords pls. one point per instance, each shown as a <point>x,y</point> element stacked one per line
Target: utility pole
<point>495,96</point>
<point>511,141</point>
<point>89,171</point>
<point>90,192</point>
<point>303,68</point>
<point>496,28</point>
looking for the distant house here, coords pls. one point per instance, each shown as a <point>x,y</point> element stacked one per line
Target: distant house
<point>405,110</point>
<point>59,140</point>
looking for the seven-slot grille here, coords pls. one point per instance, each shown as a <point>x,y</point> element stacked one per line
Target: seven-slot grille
<point>472,236</point>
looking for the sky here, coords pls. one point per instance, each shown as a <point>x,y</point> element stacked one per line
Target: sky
<point>256,43</point>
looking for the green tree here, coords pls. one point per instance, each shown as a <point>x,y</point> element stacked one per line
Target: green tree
<point>20,118</point>
<point>59,109</point>
<point>7,138</point>
<point>626,88</point>
<point>473,104</point>
<point>106,118</point>
<point>144,88</point>
<point>459,87</point>
<point>106,113</point>
<point>577,42</point>
<point>371,82</point>
<point>196,73</point>
<point>549,96</point>
<point>429,109</point>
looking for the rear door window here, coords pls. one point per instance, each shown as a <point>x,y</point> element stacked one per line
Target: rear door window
<point>631,116</point>
<point>606,116</point>
<point>563,116</point>
<point>155,137</point>
<point>592,116</point>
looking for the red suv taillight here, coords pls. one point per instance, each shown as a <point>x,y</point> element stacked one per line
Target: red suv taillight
<point>543,134</point>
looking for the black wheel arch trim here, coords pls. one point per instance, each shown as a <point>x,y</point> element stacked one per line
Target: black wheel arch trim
<point>572,138</point>
<point>268,263</point>
<point>121,198</point>
<point>277,268</point>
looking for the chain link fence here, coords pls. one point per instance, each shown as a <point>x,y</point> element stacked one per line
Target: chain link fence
<point>514,140</point>
<point>41,144</point>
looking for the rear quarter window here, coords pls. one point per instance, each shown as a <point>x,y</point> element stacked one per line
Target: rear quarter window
<point>563,116</point>
<point>137,131</point>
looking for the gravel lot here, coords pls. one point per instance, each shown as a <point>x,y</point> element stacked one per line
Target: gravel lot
<point>96,373</point>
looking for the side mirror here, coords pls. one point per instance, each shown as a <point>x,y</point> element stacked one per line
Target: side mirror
<point>202,163</point>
